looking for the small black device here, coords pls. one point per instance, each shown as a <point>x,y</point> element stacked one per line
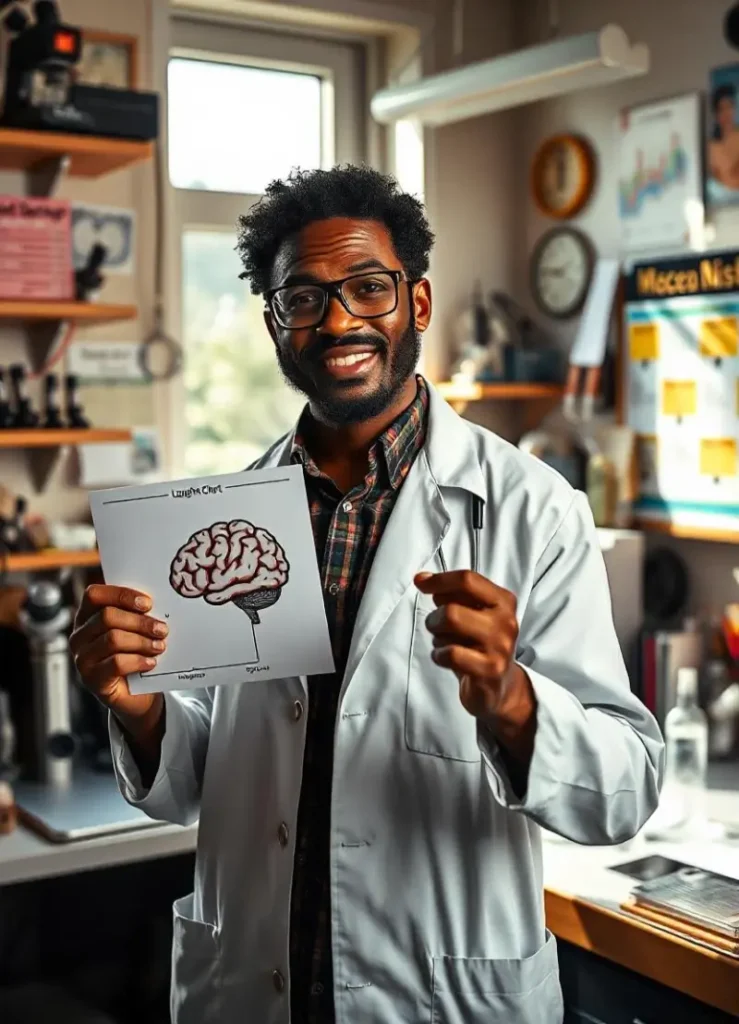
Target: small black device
<point>646,868</point>
<point>74,411</point>
<point>13,535</point>
<point>41,92</point>
<point>53,417</point>
<point>40,66</point>
<point>6,417</point>
<point>24,416</point>
<point>88,279</point>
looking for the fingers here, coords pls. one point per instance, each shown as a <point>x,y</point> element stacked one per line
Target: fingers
<point>115,618</point>
<point>462,660</point>
<point>462,586</point>
<point>101,595</point>
<point>105,674</point>
<point>458,621</point>
<point>114,642</point>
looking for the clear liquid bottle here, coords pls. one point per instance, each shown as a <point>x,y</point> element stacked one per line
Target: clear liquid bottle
<point>686,755</point>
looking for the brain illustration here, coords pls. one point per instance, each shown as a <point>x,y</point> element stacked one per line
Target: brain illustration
<point>234,561</point>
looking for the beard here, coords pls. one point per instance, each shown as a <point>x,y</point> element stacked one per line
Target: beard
<point>343,402</point>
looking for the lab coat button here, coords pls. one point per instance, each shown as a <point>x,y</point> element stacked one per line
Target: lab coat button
<point>278,981</point>
<point>347,506</point>
<point>334,589</point>
<point>283,834</point>
<point>297,711</point>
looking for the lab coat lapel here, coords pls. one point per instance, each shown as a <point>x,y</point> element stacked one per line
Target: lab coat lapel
<point>419,521</point>
<point>416,527</point>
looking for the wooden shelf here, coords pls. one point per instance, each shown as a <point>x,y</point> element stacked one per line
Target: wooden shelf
<point>505,391</point>
<point>81,312</point>
<point>40,561</point>
<point>688,532</point>
<point>90,156</point>
<point>41,438</point>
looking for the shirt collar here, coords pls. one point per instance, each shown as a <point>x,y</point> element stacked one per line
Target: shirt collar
<point>399,444</point>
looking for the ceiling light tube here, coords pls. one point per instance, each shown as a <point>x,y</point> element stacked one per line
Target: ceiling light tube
<point>524,76</point>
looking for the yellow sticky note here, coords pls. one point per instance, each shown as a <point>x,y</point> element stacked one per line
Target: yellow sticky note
<point>643,342</point>
<point>679,397</point>
<point>718,456</point>
<point>719,338</point>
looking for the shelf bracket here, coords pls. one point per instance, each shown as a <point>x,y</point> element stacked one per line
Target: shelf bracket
<point>43,335</point>
<point>41,463</point>
<point>42,179</point>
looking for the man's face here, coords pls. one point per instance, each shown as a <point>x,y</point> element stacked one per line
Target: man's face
<point>349,368</point>
<point>725,113</point>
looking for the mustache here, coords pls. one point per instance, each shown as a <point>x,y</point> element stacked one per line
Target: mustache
<point>324,343</point>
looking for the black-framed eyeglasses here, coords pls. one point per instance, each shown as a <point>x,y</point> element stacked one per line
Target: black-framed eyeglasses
<point>367,296</point>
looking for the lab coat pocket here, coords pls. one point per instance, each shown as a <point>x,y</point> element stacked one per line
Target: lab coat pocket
<point>196,993</point>
<point>435,721</point>
<point>478,991</point>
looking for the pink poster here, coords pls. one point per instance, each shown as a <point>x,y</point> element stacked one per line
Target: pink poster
<point>35,249</point>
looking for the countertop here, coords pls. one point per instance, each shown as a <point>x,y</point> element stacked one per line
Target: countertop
<point>582,894</point>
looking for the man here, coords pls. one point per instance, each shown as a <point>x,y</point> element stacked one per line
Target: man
<point>369,843</point>
<point>723,148</point>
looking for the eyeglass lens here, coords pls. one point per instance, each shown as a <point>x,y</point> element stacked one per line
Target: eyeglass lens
<point>367,295</point>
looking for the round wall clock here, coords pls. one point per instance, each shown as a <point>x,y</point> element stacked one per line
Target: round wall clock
<point>563,176</point>
<point>561,269</point>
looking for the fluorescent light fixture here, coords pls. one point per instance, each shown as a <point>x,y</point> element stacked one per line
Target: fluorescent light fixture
<point>525,76</point>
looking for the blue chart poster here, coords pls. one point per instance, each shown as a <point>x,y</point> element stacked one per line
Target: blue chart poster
<point>682,387</point>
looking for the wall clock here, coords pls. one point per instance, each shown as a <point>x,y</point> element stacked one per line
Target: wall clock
<point>561,269</point>
<point>563,176</point>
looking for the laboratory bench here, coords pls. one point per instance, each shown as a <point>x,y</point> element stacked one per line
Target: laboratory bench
<point>615,970</point>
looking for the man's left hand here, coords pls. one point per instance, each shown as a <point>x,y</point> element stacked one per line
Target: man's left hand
<point>475,631</point>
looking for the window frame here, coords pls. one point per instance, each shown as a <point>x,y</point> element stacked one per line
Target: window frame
<point>342,69</point>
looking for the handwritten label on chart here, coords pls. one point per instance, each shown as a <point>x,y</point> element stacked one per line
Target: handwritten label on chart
<point>719,338</point>
<point>718,456</point>
<point>644,342</point>
<point>679,398</point>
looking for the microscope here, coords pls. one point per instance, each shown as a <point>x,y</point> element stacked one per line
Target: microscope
<point>44,619</point>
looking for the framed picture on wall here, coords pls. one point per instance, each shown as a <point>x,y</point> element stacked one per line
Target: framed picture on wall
<point>722,145</point>
<point>660,185</point>
<point>109,59</point>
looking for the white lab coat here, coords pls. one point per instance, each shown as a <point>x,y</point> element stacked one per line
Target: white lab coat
<point>436,865</point>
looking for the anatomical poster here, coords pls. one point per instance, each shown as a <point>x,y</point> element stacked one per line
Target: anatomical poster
<point>230,564</point>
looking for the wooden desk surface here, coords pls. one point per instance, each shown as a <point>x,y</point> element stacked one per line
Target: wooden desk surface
<point>707,976</point>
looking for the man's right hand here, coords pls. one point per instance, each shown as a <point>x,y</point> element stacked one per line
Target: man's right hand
<point>112,638</point>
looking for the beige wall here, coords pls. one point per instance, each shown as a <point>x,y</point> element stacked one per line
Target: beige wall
<point>128,188</point>
<point>685,40</point>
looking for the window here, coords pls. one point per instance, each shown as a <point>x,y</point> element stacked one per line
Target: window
<point>244,108</point>
<point>279,125</point>
<point>236,404</point>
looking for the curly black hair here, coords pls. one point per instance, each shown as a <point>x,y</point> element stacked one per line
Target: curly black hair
<point>349,191</point>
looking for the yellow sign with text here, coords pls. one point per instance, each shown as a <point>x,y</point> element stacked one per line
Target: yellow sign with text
<point>704,276</point>
<point>679,398</point>
<point>643,342</point>
<point>719,338</point>
<point>718,456</point>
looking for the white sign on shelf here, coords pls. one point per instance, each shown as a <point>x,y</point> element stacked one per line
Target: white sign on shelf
<point>105,362</point>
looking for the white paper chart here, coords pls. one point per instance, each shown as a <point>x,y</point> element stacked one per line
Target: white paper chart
<point>230,564</point>
<point>682,386</point>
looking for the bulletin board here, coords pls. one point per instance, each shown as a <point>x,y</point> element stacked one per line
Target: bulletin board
<point>681,366</point>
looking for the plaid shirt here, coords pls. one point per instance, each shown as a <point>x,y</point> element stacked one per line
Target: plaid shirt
<point>347,529</point>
